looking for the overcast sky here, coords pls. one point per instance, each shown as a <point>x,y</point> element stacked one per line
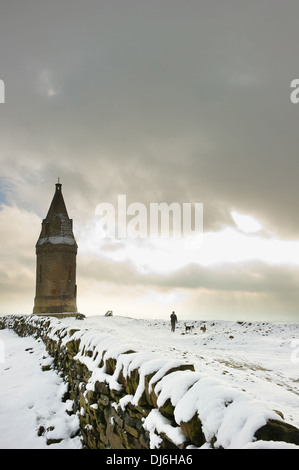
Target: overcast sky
<point>161,101</point>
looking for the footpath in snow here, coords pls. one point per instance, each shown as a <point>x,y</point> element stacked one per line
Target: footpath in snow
<point>33,414</point>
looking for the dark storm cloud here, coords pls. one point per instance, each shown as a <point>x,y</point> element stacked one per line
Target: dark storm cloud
<point>167,100</point>
<point>192,97</point>
<point>254,277</point>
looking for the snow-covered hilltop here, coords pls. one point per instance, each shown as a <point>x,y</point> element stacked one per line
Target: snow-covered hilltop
<point>241,374</point>
<point>260,358</point>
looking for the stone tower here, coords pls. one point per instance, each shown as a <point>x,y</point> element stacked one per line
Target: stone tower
<point>56,251</point>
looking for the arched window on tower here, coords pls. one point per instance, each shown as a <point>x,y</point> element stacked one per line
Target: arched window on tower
<point>70,273</point>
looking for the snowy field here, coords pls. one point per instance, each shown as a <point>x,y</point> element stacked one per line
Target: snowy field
<point>259,358</point>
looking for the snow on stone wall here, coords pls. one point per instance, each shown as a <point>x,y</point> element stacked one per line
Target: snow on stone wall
<point>127,399</point>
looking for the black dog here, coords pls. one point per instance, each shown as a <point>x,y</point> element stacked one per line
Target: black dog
<point>188,328</point>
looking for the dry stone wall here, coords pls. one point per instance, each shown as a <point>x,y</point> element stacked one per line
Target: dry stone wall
<point>137,400</point>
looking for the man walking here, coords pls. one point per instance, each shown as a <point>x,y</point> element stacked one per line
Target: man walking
<point>173,320</point>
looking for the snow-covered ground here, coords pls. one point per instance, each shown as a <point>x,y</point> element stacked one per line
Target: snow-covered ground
<point>259,358</point>
<point>32,412</point>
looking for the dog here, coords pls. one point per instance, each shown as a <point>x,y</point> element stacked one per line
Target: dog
<point>188,328</point>
<point>203,328</point>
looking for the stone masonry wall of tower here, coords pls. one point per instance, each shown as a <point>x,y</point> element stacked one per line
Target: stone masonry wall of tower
<point>56,251</point>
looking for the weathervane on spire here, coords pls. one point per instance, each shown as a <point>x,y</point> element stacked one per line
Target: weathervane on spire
<point>58,180</point>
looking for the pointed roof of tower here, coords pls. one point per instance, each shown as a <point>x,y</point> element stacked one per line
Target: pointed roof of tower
<point>57,206</point>
<point>57,227</point>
